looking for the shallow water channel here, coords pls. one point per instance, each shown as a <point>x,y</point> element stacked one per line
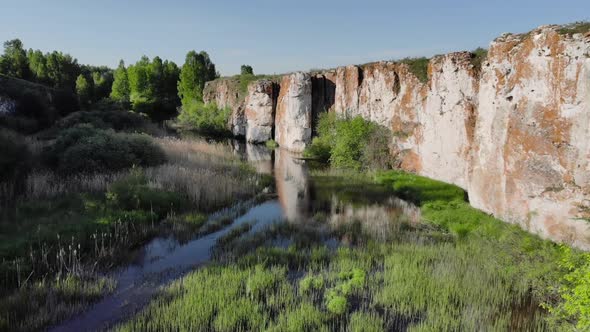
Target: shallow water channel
<point>297,197</point>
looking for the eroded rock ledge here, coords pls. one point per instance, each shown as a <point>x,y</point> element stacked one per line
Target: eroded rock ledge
<point>514,133</point>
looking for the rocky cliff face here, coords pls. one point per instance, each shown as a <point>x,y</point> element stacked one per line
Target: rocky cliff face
<point>260,108</point>
<point>293,115</point>
<point>531,152</point>
<point>224,93</point>
<point>514,133</point>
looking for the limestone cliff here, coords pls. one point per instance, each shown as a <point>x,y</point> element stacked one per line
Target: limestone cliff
<point>531,153</point>
<point>514,133</point>
<point>293,116</point>
<point>259,111</point>
<point>225,92</point>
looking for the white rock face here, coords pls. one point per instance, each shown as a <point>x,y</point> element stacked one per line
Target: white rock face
<point>448,118</point>
<point>532,150</point>
<point>293,114</point>
<point>515,135</point>
<point>260,111</point>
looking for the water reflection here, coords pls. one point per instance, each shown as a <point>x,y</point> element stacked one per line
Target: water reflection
<point>301,198</point>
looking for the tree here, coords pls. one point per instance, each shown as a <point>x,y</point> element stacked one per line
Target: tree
<point>84,90</point>
<point>246,70</point>
<point>197,70</point>
<point>14,62</point>
<point>139,83</point>
<point>120,90</point>
<point>38,66</point>
<point>170,80</point>
<point>62,70</point>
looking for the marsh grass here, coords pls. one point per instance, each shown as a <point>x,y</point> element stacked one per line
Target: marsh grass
<point>76,226</point>
<point>51,301</point>
<point>461,271</point>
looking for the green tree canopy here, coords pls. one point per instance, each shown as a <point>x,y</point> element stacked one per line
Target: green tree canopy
<point>120,90</point>
<point>246,70</point>
<point>14,62</point>
<point>84,89</point>
<point>197,70</point>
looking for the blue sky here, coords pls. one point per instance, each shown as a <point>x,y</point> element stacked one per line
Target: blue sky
<point>272,36</point>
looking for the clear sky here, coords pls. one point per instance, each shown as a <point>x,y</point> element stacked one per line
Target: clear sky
<point>272,36</point>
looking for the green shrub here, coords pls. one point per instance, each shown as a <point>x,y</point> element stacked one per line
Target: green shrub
<point>336,303</point>
<point>272,144</point>
<point>350,143</point>
<point>205,118</point>
<point>134,193</point>
<point>114,119</point>
<point>574,28</point>
<point>418,67</point>
<point>311,282</point>
<point>85,149</point>
<point>478,56</point>
<point>574,310</point>
<point>15,158</point>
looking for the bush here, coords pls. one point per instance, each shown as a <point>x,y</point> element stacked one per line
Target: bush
<point>115,119</point>
<point>418,67</point>
<point>574,28</point>
<point>478,56</point>
<point>354,143</point>
<point>85,149</point>
<point>205,118</point>
<point>134,193</point>
<point>14,155</point>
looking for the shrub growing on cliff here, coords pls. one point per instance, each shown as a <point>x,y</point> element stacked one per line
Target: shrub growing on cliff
<point>577,27</point>
<point>85,149</point>
<point>478,56</point>
<point>419,67</point>
<point>205,118</point>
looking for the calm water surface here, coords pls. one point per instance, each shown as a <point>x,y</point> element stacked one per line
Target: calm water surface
<point>299,198</point>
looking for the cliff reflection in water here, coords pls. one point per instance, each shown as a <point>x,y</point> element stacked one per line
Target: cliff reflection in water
<point>332,196</point>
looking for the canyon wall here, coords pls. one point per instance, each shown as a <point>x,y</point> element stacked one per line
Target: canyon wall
<point>514,131</point>
<point>530,160</point>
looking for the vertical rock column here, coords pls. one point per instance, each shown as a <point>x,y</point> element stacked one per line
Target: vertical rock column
<point>260,109</point>
<point>293,115</point>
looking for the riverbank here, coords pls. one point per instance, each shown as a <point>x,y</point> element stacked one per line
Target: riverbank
<point>65,234</point>
<point>455,268</point>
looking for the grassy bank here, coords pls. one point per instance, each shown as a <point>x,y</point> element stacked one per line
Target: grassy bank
<point>62,231</point>
<point>461,270</point>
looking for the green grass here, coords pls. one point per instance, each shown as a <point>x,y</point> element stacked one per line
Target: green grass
<point>484,275</point>
<point>271,144</point>
<point>418,67</point>
<point>50,301</point>
<point>574,28</point>
<point>418,189</point>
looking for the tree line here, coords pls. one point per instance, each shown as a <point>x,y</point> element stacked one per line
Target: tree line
<point>153,86</point>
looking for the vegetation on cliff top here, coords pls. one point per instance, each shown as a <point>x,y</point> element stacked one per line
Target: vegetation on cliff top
<point>418,67</point>
<point>577,27</point>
